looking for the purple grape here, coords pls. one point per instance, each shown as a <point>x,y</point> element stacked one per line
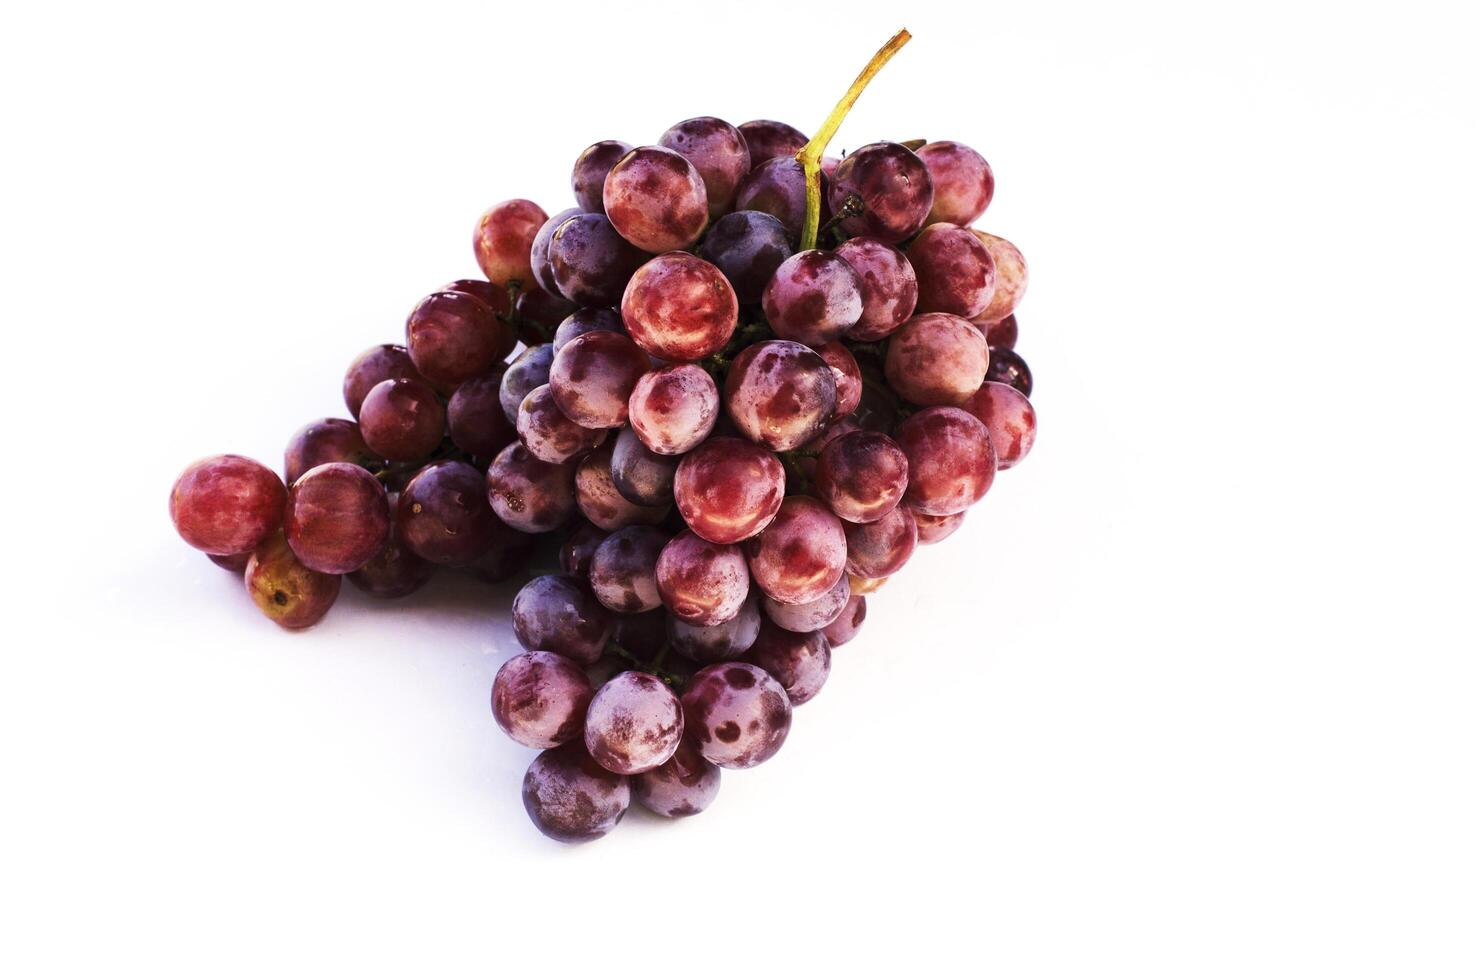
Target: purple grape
<point>381,363</point>
<point>624,569</point>
<point>701,582</point>
<point>539,250</point>
<point>778,187</point>
<point>287,591</point>
<point>848,623</point>
<point>847,377</point>
<point>503,239</point>
<point>326,441</point>
<point>1008,367</point>
<point>579,548</point>
<point>444,516</point>
<point>799,661</point>
<point>530,370</point>
<point>540,699</point>
<point>475,415</point>
<point>729,489</point>
<point>642,634</point>
<point>933,529</point>
<point>1012,276</point>
<point>655,199</point>
<point>723,641</point>
<point>602,503</point>
<point>395,572</point>
<point>455,336</point>
<point>227,505</point>
<point>337,518</point>
<point>589,174</point>
<point>572,799</point>
<point>880,549</point>
<point>962,180</point>
<point>887,283</point>
<point>1010,420</point>
<point>554,613</point>
<point>403,420</point>
<point>800,555</point>
<point>1003,333</point>
<point>590,262</point>
<point>717,151</point>
<point>893,187</point>
<point>641,475</point>
<point>529,494</point>
<point>498,300</point>
<point>956,272</point>
<point>748,247</point>
<point>593,376</point>
<point>936,359</point>
<point>548,434</point>
<point>862,476</point>
<point>680,308</point>
<point>634,723</point>
<point>951,460</point>
<point>815,297</point>
<point>736,714</point>
<point>674,408</point>
<point>681,787</point>
<point>767,138</point>
<point>538,314</point>
<point>780,393</point>
<point>586,320</point>
<point>804,617</point>
<point>506,557</point>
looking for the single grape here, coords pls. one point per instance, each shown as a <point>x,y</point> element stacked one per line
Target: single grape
<point>497,297</point>
<point>779,188</point>
<point>936,359</point>
<point>641,475</point>
<point>1003,333</point>
<point>455,336</point>
<point>933,529</point>
<point>1012,276</point>
<point>723,641</point>
<point>395,572</point>
<point>507,556</point>
<point>403,420</point>
<point>1009,418</point>
<point>748,247</point>
<point>503,239</point>
<point>572,799</point>
<point>475,415</point>
<point>717,151</point>
<point>806,459</point>
<point>538,315</point>
<point>847,378</point>
<point>681,787</point>
<point>590,262</point>
<point>529,494</point>
<point>780,393</point>
<point>593,375</point>
<point>887,283</point>
<point>848,623</point>
<point>225,505</point>
<point>799,661</point>
<point>444,516</point>
<point>862,476</point>
<point>729,489</point>
<point>326,441</point>
<point>736,714</point>
<point>680,308</point>
<point>814,297</point>
<point>803,617</point>
<point>624,569</point>
<point>878,409</point>
<point>634,723</point>
<point>674,408</point>
<point>701,582</point>
<point>800,555</point>
<point>337,518</point>
<point>962,180</point>
<point>539,249</point>
<point>587,319</point>
<point>881,548</point>
<point>579,548</point>
<point>951,460</point>
<point>893,187</point>
<point>1008,367</point>
<point>767,138</point>
<point>287,591</point>
<point>956,272</point>
<point>383,362</point>
<point>548,433</point>
<point>232,563</point>
<point>655,199</point>
<point>602,503</point>
<point>555,613</point>
<point>644,634</point>
<point>529,370</point>
<point>588,176</point>
<point>540,699</point>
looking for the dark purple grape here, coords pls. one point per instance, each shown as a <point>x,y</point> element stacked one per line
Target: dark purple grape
<point>555,613</point>
<point>847,378</point>
<point>287,591</point>
<point>588,177</point>
<point>778,187</point>
<point>475,415</point>
<point>455,336</point>
<point>1009,418</point>
<point>887,283</point>
<point>381,363</point>
<point>803,617</point>
<point>893,187</point>
<point>530,370</point>
<point>723,641</point>
<point>624,569</point>
<point>591,263</point>
<point>768,138</point>
<point>729,489</point>
<point>503,239</point>
<point>800,555</point>
<point>588,319</point>
<point>327,441</point>
<point>1012,276</point>
<point>881,548</point>
<point>674,408</point>
<point>444,516</point>
<point>539,250</point>
<point>1003,333</point>
<point>717,151</point>
<point>642,633</point>
<point>951,460</point>
<point>862,476</point>
<point>799,661</point>
<point>593,376</point>
<point>548,434</point>
<point>956,272</point>
<point>538,315</point>
<point>680,308</point>
<point>226,505</point>
<point>655,198</point>
<point>506,557</point>
<point>337,518</point>
<point>936,359</point>
<point>634,723</point>
<point>572,799</point>
<point>681,787</point>
<point>232,563</point>
<point>579,548</point>
<point>736,714</point>
<point>395,572</point>
<point>848,623</point>
<point>815,297</point>
<point>602,503</point>
<point>748,247</point>
<point>529,494</point>
<point>641,475</point>
<point>933,529</point>
<point>780,393</point>
<point>403,420</point>
<point>540,699</point>
<point>701,582</point>
<point>1008,367</point>
<point>962,180</point>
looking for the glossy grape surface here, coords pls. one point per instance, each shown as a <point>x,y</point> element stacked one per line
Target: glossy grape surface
<point>403,420</point>
<point>579,548</point>
<point>590,262</point>
<point>555,613</point>
<point>767,138</point>
<point>1003,333</point>
<point>475,415</point>
<point>455,336</point>
<point>779,188</point>
<point>538,315</point>
<point>634,723</point>
<point>624,569</point>
<point>847,378</point>
<point>962,180</point>
<point>717,150</point>
<point>955,270</point>
<point>781,394</point>
<point>548,433</point>
<point>801,554</point>
<point>800,662</point>
<point>641,475</point>
<point>1012,276</point>
<point>444,516</point>
<point>936,359</point>
<point>748,247</point>
<point>804,617</point>
<point>1009,418</point>
<point>287,591</point>
<point>887,283</point>
<point>951,460</point>
<point>683,786</point>
<point>729,489</point>
<point>593,375</point>
<point>539,249</point>
<point>227,505</point>
<point>893,185</point>
<point>602,503</point>
<point>503,238</point>
<point>814,297</point>
<point>736,714</point>
<point>701,582</point>
<point>572,799</point>
<point>1008,367</point>
<point>588,176</point>
<point>337,518</point>
<point>380,363</point>
<point>326,441</point>
<point>881,548</point>
<point>529,494</point>
<point>655,199</point>
<point>862,476</point>
<point>849,622</point>
<point>529,370</point>
<point>723,641</point>
<point>680,308</point>
<point>540,699</point>
<point>587,319</point>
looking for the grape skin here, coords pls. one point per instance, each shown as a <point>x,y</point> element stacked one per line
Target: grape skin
<point>674,409</point>
<point>572,799</point>
<point>723,641</point>
<point>1012,276</point>
<point>540,698</point>
<point>555,613</point>
<point>683,786</point>
<point>655,199</point>
<point>717,151</point>
<point>1008,367</point>
<point>503,239</point>
<point>880,549</point>
<point>848,623</point>
<point>590,261</point>
<point>232,563</point>
<point>736,714</point>
<point>538,314</point>
<point>444,516</point>
<point>380,363</point>
<point>862,476</point>
<point>539,250</point>
<point>895,189</point>
<point>701,582</point>
<point>641,475</point>
<point>395,572</point>
<point>815,297</point>
<point>326,441</point>
<point>887,283</point>
<point>588,176</point>
<point>548,433</point>
<point>579,548</point>
<point>936,359</point>
<point>933,529</point>
<point>678,307</point>
<point>593,376</point>
<point>226,505</point>
<point>454,336</point>
<point>475,415</point>
<point>337,518</point>
<point>530,370</point>
<point>847,378</point>
<point>955,270</point>
<point>287,591</point>
<point>748,247</point>
<point>529,494</point>
<point>602,503</point>
<point>634,723</point>
<point>1003,333</point>
<point>497,299</point>
<point>962,180</point>
<point>779,188</point>
<point>624,569</point>
<point>507,555</point>
<point>781,394</point>
<point>403,420</point>
<point>800,662</point>
<point>804,617</point>
<point>767,138</point>
<point>800,556</point>
<point>729,489</point>
<point>1009,418</point>
<point>586,320</point>
<point>951,460</point>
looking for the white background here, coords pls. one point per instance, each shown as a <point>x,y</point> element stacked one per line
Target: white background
<point>1192,694</point>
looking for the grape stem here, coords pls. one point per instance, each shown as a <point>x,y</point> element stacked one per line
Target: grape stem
<point>810,156</point>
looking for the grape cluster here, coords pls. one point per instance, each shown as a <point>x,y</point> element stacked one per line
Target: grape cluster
<point>733,439</point>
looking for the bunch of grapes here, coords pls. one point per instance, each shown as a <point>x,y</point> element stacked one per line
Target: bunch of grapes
<point>735,402</point>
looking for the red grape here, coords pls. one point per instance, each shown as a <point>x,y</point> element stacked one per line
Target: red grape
<point>232,563</point>
<point>781,394</point>
<point>1009,418</point>
<point>225,505</point>
<point>681,787</point>
<point>326,441</point>
<point>894,188</point>
<point>779,188</point>
<point>529,370</point>
<point>572,799</point>
<point>674,408</point>
<point>862,476</point>
<point>768,138</point>
<point>555,613</point>
<point>1012,276</point>
<point>801,554</point>
<point>936,359</point>
<point>736,714</point>
<point>444,516</point>
<point>497,297</point>
<point>403,420</point>
<point>655,199</point>
<point>590,262</point>
<point>540,699</point>
<point>383,362</point>
<point>287,591</point>
<point>588,176</point>
<point>747,246</point>
<point>881,548</point>
<point>814,297</point>
<point>641,475</point>
<point>507,556</point>
<point>933,529</point>
<point>962,179</point>
<point>679,308</point>
<point>529,494</point>
<point>887,283</point>
<point>720,642</point>
<point>799,661</point>
<point>701,582</point>
<point>848,623</point>
<point>1003,333</point>
<point>579,548</point>
<point>624,569</point>
<point>602,503</point>
<point>455,336</point>
<point>1008,367</point>
<point>634,723</point>
<point>586,320</point>
<point>847,378</point>
<point>803,617</point>
<point>951,460</point>
<point>717,151</point>
<point>955,270</point>
<point>503,239</point>
<point>337,518</point>
<point>548,433</point>
<point>593,376</point>
<point>395,572</point>
<point>475,415</point>
<point>729,489</point>
<point>539,249</point>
